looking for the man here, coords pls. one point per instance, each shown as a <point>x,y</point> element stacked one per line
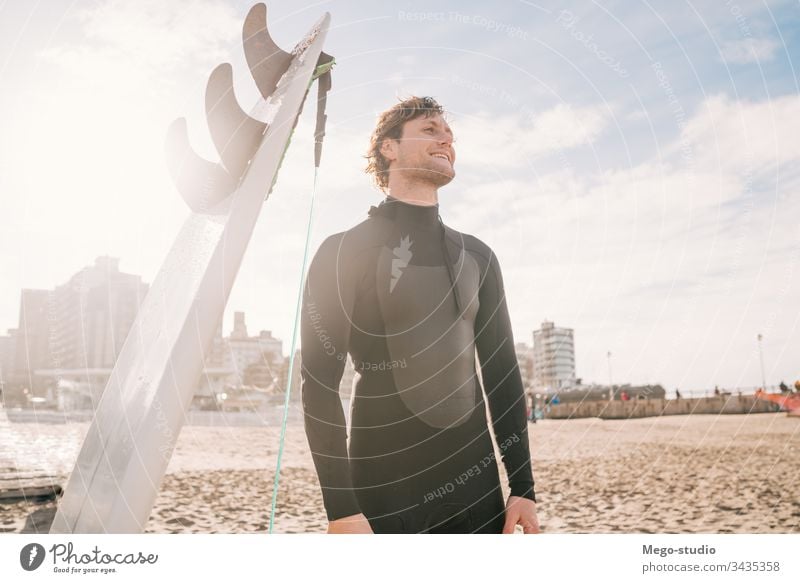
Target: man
<point>411,301</point>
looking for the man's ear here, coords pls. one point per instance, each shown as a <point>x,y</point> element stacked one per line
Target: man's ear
<point>389,149</point>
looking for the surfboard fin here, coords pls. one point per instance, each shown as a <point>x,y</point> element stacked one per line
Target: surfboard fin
<point>235,134</point>
<point>201,183</point>
<point>267,61</point>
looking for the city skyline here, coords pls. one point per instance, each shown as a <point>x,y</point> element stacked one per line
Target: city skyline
<point>550,355</point>
<point>69,338</point>
<point>633,168</point>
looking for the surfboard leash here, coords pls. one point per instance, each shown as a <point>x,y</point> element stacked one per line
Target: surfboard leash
<point>323,74</point>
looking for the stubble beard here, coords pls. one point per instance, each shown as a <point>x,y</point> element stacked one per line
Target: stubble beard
<point>431,173</point>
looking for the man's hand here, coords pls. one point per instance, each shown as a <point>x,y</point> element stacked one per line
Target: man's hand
<point>523,512</point>
<point>355,524</point>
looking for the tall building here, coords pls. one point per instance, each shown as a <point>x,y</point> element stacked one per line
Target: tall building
<point>8,350</point>
<point>553,357</point>
<point>74,333</point>
<point>267,370</point>
<point>34,335</point>
<point>216,355</point>
<point>214,374</point>
<point>240,351</point>
<point>92,315</point>
<point>239,331</point>
<point>241,368</point>
<point>255,360</point>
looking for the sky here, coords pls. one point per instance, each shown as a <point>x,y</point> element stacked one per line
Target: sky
<point>634,166</point>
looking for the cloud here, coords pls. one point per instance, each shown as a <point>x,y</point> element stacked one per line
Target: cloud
<point>670,260</point>
<point>565,127</point>
<point>663,262</point>
<point>152,34</point>
<point>749,50</point>
<point>745,137</point>
<point>87,143</point>
<point>511,140</point>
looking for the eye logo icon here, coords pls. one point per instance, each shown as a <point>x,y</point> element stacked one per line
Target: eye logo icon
<point>31,556</point>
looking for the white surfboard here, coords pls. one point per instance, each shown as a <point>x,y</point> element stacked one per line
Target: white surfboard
<point>125,454</point>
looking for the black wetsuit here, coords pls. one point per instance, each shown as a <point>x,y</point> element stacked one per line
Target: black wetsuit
<point>411,299</point>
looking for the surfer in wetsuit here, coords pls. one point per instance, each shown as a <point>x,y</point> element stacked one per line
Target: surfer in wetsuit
<point>412,301</point>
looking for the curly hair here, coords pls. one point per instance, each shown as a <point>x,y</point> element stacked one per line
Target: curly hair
<point>390,125</point>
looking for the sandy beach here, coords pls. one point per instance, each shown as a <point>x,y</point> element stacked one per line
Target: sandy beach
<point>677,474</point>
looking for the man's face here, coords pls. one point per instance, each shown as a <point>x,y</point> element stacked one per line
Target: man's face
<point>424,151</point>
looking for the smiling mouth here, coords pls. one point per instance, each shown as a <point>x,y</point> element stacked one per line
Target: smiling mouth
<point>442,156</point>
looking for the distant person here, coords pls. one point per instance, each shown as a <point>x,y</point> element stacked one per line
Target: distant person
<point>677,394</point>
<point>624,396</point>
<point>783,387</point>
<point>532,413</point>
<point>797,386</point>
<point>529,408</point>
<point>717,392</point>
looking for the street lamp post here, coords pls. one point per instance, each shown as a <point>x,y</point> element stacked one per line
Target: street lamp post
<point>761,357</point>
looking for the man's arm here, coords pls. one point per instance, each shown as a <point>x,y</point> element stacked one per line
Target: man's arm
<point>328,299</point>
<point>502,380</point>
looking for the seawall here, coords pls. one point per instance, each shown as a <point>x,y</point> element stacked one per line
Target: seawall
<point>722,405</point>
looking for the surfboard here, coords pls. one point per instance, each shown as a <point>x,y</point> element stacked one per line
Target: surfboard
<point>125,454</point>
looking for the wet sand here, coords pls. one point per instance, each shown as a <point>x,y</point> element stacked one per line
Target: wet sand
<point>677,474</point>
